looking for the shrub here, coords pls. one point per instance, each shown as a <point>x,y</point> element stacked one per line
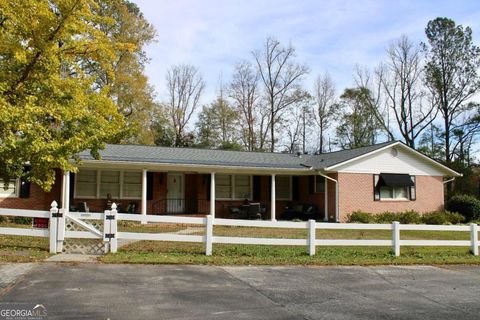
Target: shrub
<point>409,217</point>
<point>21,220</point>
<point>386,217</point>
<point>468,206</point>
<point>442,217</point>
<point>360,217</point>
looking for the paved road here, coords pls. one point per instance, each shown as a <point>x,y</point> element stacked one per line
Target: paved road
<point>95,291</point>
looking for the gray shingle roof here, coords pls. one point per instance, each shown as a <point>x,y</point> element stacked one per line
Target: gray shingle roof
<point>155,154</point>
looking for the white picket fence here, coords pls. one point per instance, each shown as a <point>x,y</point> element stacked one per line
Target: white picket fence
<point>111,235</point>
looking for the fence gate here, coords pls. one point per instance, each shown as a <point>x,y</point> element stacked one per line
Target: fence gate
<point>83,234</point>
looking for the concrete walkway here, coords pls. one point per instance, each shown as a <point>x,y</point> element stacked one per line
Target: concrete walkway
<point>97,291</point>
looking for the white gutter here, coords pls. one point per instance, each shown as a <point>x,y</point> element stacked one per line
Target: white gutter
<point>337,218</point>
<point>449,180</point>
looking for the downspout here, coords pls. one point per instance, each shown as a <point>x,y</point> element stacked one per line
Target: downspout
<point>336,194</point>
<point>449,180</point>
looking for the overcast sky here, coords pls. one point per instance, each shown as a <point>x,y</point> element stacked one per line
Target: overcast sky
<point>330,36</point>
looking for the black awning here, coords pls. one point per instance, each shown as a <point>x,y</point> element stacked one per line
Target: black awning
<point>395,180</point>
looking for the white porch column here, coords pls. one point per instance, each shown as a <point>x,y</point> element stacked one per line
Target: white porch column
<point>337,217</point>
<point>66,196</point>
<point>273,200</point>
<point>212,194</point>
<point>62,194</point>
<point>326,200</point>
<point>144,193</point>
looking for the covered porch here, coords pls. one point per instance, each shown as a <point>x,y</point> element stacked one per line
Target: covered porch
<point>238,193</point>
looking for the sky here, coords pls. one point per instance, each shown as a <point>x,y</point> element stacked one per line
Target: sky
<point>332,36</point>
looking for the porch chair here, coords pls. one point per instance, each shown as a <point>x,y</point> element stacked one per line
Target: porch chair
<point>254,211</point>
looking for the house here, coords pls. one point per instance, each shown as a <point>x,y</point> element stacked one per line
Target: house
<point>162,180</point>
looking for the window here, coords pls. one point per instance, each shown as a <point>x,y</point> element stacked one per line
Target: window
<point>132,185</point>
<point>110,184</point>
<point>86,184</point>
<point>233,187</point>
<point>100,183</point>
<point>243,189</point>
<point>389,186</point>
<point>12,189</point>
<point>223,186</point>
<point>283,187</point>
<point>319,184</point>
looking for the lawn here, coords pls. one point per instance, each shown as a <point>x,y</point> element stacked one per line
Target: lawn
<point>223,254</point>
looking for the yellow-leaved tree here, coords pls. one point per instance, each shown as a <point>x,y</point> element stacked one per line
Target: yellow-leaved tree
<point>53,55</point>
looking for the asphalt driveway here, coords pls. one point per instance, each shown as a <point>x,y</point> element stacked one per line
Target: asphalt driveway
<point>96,291</point>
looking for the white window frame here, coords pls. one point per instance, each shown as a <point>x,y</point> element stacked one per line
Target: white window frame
<point>16,194</point>
<point>290,188</point>
<point>232,186</point>
<point>97,192</point>
<point>323,184</point>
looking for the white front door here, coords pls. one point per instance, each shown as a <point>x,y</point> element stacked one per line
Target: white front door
<point>175,199</point>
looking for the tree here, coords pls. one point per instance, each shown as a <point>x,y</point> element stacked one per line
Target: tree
<point>358,126</point>
<point>451,74</point>
<point>400,81</point>
<point>299,121</point>
<point>281,77</point>
<point>51,108</point>
<point>129,87</point>
<point>216,125</point>
<point>324,93</point>
<point>244,92</point>
<point>185,87</point>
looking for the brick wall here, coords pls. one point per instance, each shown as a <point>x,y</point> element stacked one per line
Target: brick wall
<point>38,199</point>
<point>356,193</point>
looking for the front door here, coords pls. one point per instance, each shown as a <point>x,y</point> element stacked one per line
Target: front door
<point>175,199</point>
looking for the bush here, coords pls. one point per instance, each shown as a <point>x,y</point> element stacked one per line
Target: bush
<point>409,217</point>
<point>468,206</point>
<point>360,217</point>
<point>386,217</point>
<point>442,217</point>
<point>21,220</point>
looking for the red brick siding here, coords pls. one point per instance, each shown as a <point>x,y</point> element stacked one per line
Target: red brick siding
<point>356,193</point>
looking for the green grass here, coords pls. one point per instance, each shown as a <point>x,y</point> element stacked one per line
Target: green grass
<point>193,253</point>
<point>23,249</point>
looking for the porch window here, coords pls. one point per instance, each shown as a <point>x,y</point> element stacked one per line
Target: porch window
<point>243,187</point>
<point>12,189</point>
<point>283,187</point>
<point>98,184</point>
<point>223,186</point>
<point>233,187</point>
<point>132,184</point>
<point>110,184</point>
<point>86,184</point>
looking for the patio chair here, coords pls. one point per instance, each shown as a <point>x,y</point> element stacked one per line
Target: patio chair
<point>254,211</point>
<point>83,207</point>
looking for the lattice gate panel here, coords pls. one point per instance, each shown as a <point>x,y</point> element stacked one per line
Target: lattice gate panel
<point>83,246</point>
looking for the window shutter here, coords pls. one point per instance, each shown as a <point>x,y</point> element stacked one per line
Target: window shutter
<point>376,188</point>
<point>149,185</point>
<point>24,191</point>
<point>413,189</point>
<point>295,188</point>
<point>311,184</point>
<point>257,188</point>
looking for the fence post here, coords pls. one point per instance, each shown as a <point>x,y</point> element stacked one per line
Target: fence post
<point>474,238</point>
<point>113,229</point>
<point>311,237</point>
<point>106,230</point>
<point>53,227</point>
<point>60,229</point>
<point>209,235</point>
<point>396,238</point>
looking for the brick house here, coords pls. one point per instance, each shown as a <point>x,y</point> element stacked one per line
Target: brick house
<point>161,180</point>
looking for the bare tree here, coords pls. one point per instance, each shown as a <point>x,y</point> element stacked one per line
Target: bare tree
<point>400,79</point>
<point>281,77</point>
<point>244,92</point>
<point>185,86</point>
<point>324,94</point>
<point>300,117</point>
